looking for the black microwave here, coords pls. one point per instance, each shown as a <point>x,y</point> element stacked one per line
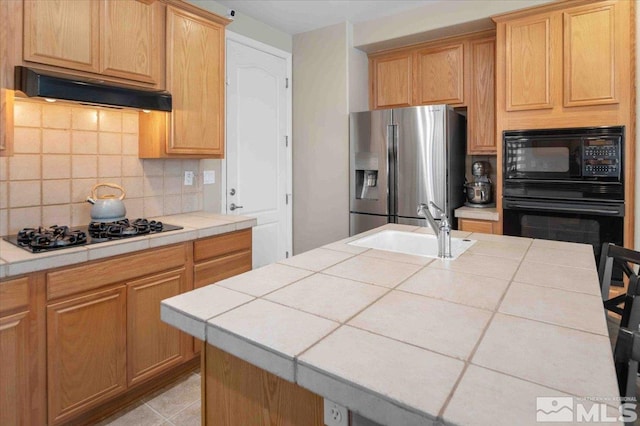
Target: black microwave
<point>585,154</point>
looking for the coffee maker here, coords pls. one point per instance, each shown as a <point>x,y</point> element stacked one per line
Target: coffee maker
<point>479,192</point>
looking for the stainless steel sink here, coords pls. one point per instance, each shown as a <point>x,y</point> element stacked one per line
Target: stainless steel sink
<point>411,243</point>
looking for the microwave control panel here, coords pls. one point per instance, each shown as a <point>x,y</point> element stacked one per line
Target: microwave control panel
<point>601,157</point>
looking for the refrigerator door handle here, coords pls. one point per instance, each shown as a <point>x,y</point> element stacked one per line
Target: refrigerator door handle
<point>392,137</point>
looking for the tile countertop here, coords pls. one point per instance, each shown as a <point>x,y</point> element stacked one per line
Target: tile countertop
<point>15,260</point>
<point>409,340</point>
<point>480,213</point>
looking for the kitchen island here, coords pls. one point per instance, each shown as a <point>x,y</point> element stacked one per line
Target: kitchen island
<point>403,339</point>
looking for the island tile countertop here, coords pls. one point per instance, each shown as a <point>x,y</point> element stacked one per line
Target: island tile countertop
<point>15,260</point>
<point>410,340</point>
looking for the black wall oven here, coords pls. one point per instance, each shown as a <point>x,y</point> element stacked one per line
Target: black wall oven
<point>565,185</point>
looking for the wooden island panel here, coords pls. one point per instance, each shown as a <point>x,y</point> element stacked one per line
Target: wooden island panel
<point>239,393</point>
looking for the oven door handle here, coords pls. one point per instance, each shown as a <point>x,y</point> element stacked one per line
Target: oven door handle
<point>563,209</point>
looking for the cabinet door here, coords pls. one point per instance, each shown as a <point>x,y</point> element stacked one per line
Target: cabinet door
<point>590,71</point>
<point>528,63</point>
<point>131,32</point>
<point>6,121</point>
<point>195,78</point>
<point>391,80</point>
<point>86,352</point>
<point>481,138</point>
<point>152,345</point>
<point>14,373</point>
<point>439,75</point>
<point>63,33</point>
<point>22,354</point>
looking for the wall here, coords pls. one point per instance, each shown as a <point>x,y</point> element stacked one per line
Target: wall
<point>62,150</point>
<point>436,19</point>
<point>247,26</point>
<point>358,72</point>
<point>320,137</point>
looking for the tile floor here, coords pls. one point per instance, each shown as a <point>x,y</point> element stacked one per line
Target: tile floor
<point>177,404</point>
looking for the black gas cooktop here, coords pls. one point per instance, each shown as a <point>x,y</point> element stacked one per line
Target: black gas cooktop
<point>56,237</point>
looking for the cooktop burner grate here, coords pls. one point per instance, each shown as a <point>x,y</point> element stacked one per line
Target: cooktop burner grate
<point>58,237</point>
<point>123,228</point>
<point>39,239</point>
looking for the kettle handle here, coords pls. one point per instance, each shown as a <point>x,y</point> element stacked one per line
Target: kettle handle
<point>94,193</point>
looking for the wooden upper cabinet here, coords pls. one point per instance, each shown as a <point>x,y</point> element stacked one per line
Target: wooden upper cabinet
<point>131,37</point>
<point>195,78</point>
<point>63,33</point>
<point>391,82</point>
<point>528,63</point>
<point>439,75</point>
<point>563,66</point>
<point>590,68</point>
<point>6,121</point>
<point>114,38</point>
<point>481,110</point>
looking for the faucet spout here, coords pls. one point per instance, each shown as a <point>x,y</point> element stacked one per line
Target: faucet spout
<point>443,231</point>
<point>423,210</point>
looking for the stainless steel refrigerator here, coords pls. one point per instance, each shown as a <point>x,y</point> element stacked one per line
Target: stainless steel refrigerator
<point>402,157</point>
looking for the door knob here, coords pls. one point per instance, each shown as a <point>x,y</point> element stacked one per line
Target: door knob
<point>232,192</point>
<point>233,206</point>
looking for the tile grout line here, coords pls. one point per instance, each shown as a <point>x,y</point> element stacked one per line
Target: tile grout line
<point>342,324</point>
<point>469,359</point>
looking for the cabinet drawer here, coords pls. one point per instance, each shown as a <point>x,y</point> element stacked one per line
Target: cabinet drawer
<point>222,244</point>
<point>88,277</point>
<point>219,269</point>
<point>482,226</point>
<point>14,295</point>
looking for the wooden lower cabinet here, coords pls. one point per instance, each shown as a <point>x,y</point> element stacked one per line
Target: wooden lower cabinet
<point>239,393</point>
<point>22,352</point>
<point>152,345</point>
<point>104,333</point>
<point>219,257</point>
<point>14,373</point>
<point>86,352</point>
<point>474,225</point>
<point>78,342</point>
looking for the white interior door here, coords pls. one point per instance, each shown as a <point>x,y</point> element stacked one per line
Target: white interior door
<point>257,168</point>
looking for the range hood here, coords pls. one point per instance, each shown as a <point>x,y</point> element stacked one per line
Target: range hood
<point>46,84</point>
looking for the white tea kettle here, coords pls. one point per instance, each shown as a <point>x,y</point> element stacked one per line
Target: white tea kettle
<point>109,207</point>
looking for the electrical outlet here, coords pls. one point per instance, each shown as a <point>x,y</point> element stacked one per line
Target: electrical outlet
<point>209,177</point>
<point>335,414</point>
<point>188,178</point>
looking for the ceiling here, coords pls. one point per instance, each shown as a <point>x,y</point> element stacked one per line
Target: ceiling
<point>298,16</point>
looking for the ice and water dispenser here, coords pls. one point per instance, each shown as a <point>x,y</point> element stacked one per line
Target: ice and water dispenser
<point>366,176</point>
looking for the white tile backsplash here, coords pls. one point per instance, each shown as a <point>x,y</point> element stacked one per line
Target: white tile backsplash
<point>24,167</point>
<point>27,140</point>
<point>56,141</point>
<point>24,193</point>
<point>61,151</point>
<point>109,143</point>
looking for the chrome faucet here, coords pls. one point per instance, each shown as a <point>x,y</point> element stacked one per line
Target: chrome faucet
<point>443,232</point>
